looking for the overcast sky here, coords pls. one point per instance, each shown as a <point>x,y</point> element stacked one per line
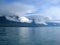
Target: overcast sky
<point>31,7</point>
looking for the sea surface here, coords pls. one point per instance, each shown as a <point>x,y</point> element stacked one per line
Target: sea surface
<point>29,35</point>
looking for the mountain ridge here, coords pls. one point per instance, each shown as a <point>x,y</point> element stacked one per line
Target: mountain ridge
<point>8,23</point>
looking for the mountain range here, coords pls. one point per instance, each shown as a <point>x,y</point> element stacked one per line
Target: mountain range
<point>4,22</point>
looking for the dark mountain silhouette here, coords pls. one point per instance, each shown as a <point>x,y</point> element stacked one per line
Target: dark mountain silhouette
<point>7,23</point>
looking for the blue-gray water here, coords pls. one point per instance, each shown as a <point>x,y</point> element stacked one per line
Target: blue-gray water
<point>29,35</point>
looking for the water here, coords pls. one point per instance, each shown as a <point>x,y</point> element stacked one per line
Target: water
<point>29,35</point>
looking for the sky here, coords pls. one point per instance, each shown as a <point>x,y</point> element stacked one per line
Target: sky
<point>49,8</point>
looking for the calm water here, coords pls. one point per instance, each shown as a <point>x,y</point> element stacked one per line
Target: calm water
<point>29,35</point>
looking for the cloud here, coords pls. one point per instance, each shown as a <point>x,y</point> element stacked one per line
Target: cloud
<point>53,12</point>
<point>48,8</point>
<point>25,19</point>
<point>39,19</point>
<point>16,8</point>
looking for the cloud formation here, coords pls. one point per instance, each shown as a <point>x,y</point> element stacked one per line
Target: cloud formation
<point>53,12</point>
<point>16,8</point>
<point>25,19</point>
<point>49,8</point>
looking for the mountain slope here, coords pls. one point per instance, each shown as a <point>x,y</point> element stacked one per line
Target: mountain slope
<point>8,23</point>
<point>4,22</point>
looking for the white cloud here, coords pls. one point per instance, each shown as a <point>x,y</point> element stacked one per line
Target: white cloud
<point>53,12</point>
<point>24,19</point>
<point>16,8</point>
<point>21,9</point>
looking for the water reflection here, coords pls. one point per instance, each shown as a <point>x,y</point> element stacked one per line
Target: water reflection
<point>3,37</point>
<point>40,36</point>
<point>29,35</point>
<point>13,35</point>
<point>26,36</point>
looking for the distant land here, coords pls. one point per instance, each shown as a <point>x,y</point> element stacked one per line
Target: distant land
<point>8,23</point>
